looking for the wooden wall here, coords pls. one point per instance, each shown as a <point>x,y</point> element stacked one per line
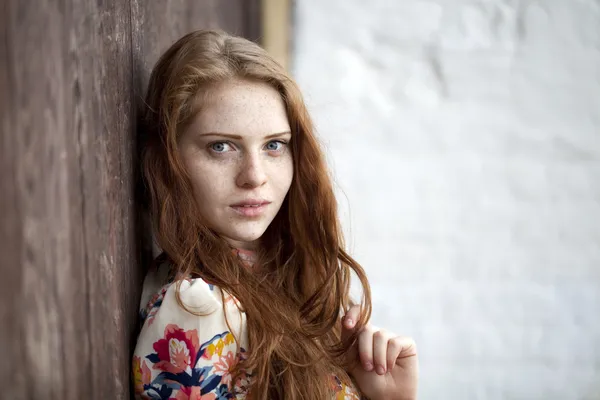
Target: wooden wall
<point>72,74</point>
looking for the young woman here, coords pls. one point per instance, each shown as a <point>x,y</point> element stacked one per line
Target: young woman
<point>250,297</point>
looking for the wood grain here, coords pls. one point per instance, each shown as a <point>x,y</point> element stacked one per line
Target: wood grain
<point>72,74</point>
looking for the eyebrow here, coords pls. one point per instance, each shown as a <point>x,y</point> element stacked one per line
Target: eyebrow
<point>238,137</point>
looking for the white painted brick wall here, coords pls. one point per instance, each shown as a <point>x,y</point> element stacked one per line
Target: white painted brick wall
<point>466,138</point>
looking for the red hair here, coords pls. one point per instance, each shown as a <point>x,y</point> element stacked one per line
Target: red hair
<point>295,296</point>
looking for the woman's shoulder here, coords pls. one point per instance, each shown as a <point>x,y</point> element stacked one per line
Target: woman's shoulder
<point>193,297</point>
<point>192,333</point>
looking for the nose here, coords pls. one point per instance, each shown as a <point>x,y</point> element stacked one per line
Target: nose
<point>252,172</point>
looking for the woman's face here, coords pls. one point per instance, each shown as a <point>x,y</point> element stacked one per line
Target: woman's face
<point>237,154</point>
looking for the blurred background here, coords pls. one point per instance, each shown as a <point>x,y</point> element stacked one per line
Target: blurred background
<point>463,137</point>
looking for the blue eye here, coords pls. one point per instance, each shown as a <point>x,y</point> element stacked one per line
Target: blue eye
<point>275,145</point>
<point>219,147</point>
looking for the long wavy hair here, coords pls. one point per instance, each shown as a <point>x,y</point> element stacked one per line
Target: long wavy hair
<point>294,303</point>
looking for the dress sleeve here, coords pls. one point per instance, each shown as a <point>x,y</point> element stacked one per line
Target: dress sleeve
<point>180,355</point>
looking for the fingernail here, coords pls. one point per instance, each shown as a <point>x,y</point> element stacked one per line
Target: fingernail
<point>368,366</point>
<point>380,369</point>
<point>349,323</point>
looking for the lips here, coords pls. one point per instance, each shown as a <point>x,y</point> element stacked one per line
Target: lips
<point>250,208</point>
<point>251,203</point>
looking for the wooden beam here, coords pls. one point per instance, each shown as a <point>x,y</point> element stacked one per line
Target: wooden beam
<point>276,28</point>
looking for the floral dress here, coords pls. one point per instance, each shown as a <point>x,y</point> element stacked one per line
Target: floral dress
<point>183,356</point>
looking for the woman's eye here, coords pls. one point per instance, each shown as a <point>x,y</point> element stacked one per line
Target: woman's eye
<point>275,145</point>
<point>219,147</point>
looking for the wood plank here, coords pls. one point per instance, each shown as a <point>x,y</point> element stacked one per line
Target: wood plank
<point>45,296</point>
<point>72,75</point>
<point>157,25</point>
<point>108,160</point>
<point>68,225</point>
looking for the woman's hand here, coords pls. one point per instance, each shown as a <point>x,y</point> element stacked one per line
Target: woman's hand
<point>386,366</point>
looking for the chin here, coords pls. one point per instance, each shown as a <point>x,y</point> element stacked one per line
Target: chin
<point>245,236</point>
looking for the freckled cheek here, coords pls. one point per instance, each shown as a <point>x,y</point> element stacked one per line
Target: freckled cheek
<point>211,183</point>
<point>282,172</point>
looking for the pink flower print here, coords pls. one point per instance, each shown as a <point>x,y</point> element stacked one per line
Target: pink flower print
<point>224,366</point>
<point>247,257</point>
<point>141,375</point>
<point>154,305</point>
<point>177,350</point>
<point>193,393</point>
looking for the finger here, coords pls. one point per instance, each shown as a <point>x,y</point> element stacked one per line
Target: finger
<point>365,348</point>
<point>393,351</point>
<point>349,322</point>
<point>401,347</point>
<point>380,346</point>
<point>352,316</point>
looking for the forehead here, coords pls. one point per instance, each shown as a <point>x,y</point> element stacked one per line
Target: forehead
<point>241,107</point>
